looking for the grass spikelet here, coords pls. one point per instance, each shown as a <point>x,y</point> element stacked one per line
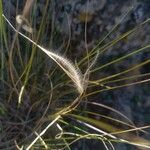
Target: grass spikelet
<point>68,67</point>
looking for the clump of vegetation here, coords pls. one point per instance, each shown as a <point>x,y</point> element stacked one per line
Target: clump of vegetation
<point>45,99</point>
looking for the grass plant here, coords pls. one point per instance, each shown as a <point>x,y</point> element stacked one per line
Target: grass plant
<point>45,99</point>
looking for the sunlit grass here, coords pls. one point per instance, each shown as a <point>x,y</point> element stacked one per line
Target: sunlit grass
<point>53,97</point>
